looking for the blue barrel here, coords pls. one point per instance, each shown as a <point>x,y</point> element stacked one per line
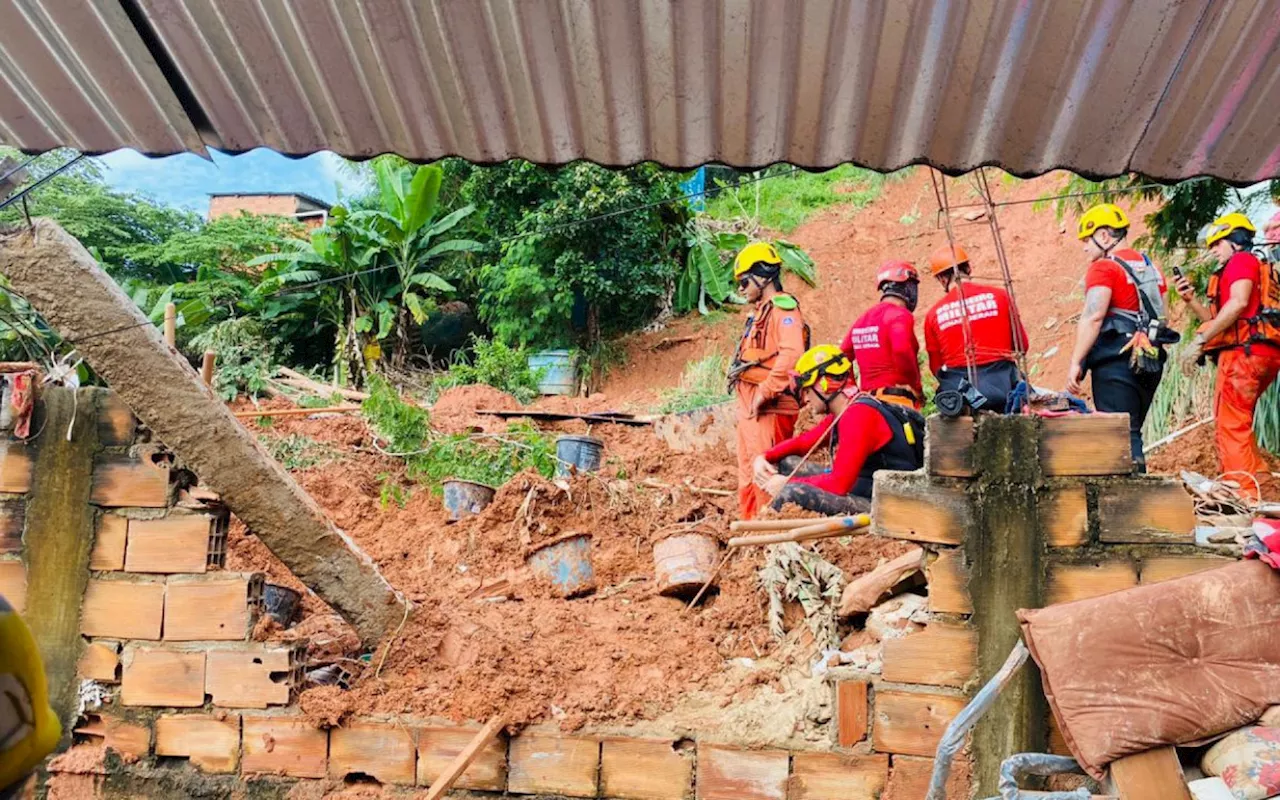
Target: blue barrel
<point>464,498</point>
<point>578,453</point>
<point>558,373</point>
<point>566,562</point>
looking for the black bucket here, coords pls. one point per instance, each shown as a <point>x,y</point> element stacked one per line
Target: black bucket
<point>464,498</point>
<point>281,603</point>
<point>580,453</point>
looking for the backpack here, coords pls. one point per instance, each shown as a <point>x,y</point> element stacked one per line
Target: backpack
<point>1150,298</point>
<point>1143,332</point>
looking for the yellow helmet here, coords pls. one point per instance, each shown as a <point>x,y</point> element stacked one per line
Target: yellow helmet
<point>1227,224</point>
<point>1103,215</point>
<point>29,730</point>
<point>752,254</point>
<point>826,363</point>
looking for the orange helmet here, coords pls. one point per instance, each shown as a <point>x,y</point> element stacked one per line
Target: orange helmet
<point>947,257</point>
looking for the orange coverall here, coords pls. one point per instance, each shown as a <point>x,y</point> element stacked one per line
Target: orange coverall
<point>776,338</point>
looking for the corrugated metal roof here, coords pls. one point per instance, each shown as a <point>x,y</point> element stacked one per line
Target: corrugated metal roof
<point>1171,88</point>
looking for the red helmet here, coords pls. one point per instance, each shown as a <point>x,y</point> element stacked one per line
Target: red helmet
<point>945,258</point>
<point>896,272</point>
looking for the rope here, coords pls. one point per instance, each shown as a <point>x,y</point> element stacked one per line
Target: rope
<point>944,208</point>
<point>1015,317</point>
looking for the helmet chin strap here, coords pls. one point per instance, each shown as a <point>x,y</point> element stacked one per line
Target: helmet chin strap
<point>1106,251</point>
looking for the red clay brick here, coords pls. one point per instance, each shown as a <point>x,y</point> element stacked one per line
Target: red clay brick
<point>727,774</point>
<point>255,676</point>
<point>851,712</point>
<point>212,743</point>
<point>13,583</point>
<point>832,776</point>
<point>177,543</point>
<point>542,764</point>
<point>437,747</point>
<point>121,609</point>
<point>645,769</point>
<point>284,746</point>
<point>214,607</point>
<point>154,677</point>
<point>382,751</point>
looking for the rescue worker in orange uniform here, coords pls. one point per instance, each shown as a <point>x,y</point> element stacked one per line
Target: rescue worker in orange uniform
<point>774,338</point>
<point>1241,341</point>
<point>882,342</point>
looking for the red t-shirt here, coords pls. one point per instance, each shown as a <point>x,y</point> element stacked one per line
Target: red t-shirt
<point>863,431</point>
<point>1106,272</point>
<point>990,321</point>
<point>1242,266</point>
<point>884,345</point>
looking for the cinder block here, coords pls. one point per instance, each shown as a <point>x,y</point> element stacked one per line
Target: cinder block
<point>211,742</point>
<point>13,583</point>
<point>155,677</point>
<point>214,607</point>
<point>1146,510</point>
<point>939,655</point>
<point>17,460</point>
<point>252,676</point>
<point>909,778</point>
<point>108,543</point>
<point>949,449</point>
<point>177,543</point>
<point>116,423</point>
<point>129,739</point>
<point>832,776</point>
<point>645,769</point>
<point>1064,515</point>
<point>728,774</point>
<point>910,723</point>
<point>851,712</point>
<point>13,517</point>
<point>100,662</point>
<point>565,765</point>
<point>120,609</point>
<point>438,747</point>
<point>122,481</point>
<point>284,746</point>
<point>1166,568</point>
<point>1085,444</point>
<point>1068,582</point>
<point>381,751</point>
<point>907,505</point>
<point>948,579</point>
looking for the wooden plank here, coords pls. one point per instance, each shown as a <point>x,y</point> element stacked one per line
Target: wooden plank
<point>120,481</point>
<point>286,746</point>
<point>1085,444</point>
<point>645,769</point>
<point>17,462</point>
<point>173,544</point>
<point>728,774</point>
<point>155,677</point>
<point>1153,775</point>
<point>1163,568</point>
<point>382,751</point>
<point>116,423</point>
<point>906,507</point>
<point>13,517</point>
<point>100,662</point>
<point>949,449</point>
<point>109,539</point>
<point>438,747</point>
<point>910,723</point>
<point>212,743</point>
<point>215,607</point>
<point>939,655</point>
<point>486,736</point>
<point>120,609</point>
<point>542,764</point>
<point>255,676</point>
<point>1064,515</point>
<point>851,712</point>
<point>13,583</point>
<point>1068,582</point>
<point>909,778</point>
<point>832,776</point>
<point>949,583</point>
<point>1152,510</point>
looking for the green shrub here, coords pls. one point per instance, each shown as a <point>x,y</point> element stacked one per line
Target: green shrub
<point>702,384</point>
<point>495,364</point>
<point>247,355</point>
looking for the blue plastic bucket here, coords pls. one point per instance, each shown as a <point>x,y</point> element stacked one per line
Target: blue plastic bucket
<point>566,562</point>
<point>465,498</point>
<point>580,453</point>
<point>559,375</point>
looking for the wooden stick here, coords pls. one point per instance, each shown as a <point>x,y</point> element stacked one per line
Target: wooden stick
<point>759,525</point>
<point>463,760</point>
<point>691,489</point>
<point>170,323</point>
<point>823,530</point>
<point>295,412</point>
<point>727,556</point>
<point>206,367</point>
<point>300,381</point>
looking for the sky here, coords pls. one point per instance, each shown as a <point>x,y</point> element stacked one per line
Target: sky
<point>187,180</point>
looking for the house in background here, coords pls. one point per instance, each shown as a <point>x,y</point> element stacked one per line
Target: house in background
<point>308,210</point>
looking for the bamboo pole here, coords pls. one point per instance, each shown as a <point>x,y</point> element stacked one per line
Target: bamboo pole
<point>170,324</point>
<point>206,367</point>
<point>463,760</point>
<point>823,530</point>
<point>759,525</point>
<point>294,412</point>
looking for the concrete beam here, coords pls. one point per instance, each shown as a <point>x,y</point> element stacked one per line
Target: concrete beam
<point>66,286</point>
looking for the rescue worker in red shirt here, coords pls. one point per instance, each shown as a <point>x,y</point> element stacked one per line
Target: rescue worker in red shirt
<point>1240,340</point>
<point>883,340</point>
<point>985,327</point>
<point>760,377</point>
<point>864,434</point>
<point>1120,331</point>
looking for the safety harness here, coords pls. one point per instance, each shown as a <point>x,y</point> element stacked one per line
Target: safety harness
<point>905,451</point>
<point>751,362</point>
<point>1141,333</point>
<point>1262,327</point>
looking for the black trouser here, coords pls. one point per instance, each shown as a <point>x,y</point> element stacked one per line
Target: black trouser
<point>812,498</point>
<point>1118,389</point>
<point>995,382</point>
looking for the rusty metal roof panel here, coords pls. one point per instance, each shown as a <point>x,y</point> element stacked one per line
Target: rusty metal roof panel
<point>1173,88</point>
<point>77,74</point>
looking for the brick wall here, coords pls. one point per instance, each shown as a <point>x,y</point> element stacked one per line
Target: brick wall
<point>283,205</point>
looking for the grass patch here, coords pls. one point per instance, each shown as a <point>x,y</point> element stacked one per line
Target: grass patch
<point>296,451</point>
<point>782,203</point>
<point>702,384</point>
